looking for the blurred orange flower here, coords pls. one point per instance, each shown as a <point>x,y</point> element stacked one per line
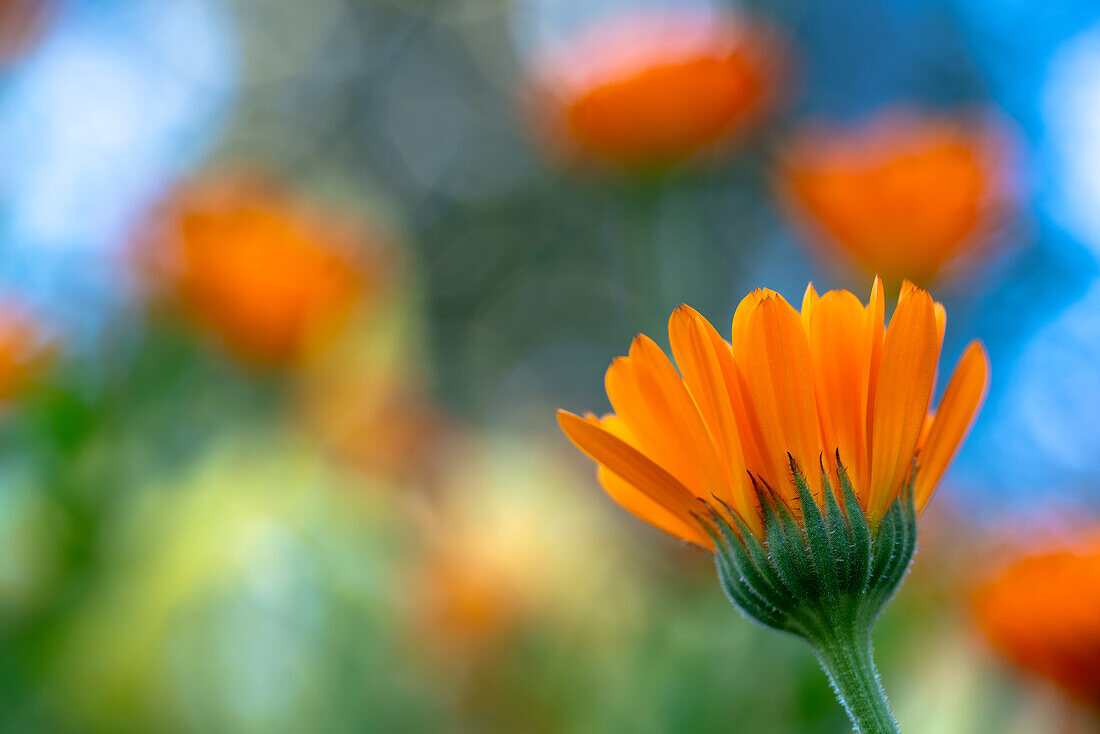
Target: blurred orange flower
<point>815,388</point>
<point>503,509</point>
<point>24,349</point>
<point>649,89</point>
<point>380,423</point>
<point>904,195</point>
<point>250,265</point>
<point>1042,612</point>
<point>463,603</point>
<point>22,23</point>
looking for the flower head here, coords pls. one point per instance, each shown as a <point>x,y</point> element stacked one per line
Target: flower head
<point>807,441</point>
<point>651,89</point>
<point>831,386</point>
<point>905,195</point>
<point>248,264</point>
<point>470,586</point>
<point>22,23</point>
<point>1042,612</point>
<point>379,422</point>
<point>25,349</point>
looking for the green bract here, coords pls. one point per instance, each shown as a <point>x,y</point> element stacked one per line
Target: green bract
<point>823,577</point>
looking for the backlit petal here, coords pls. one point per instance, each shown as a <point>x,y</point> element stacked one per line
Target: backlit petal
<point>741,316</point>
<point>776,365</point>
<point>642,506</point>
<point>809,301</point>
<point>646,419</point>
<point>700,354</point>
<point>838,352</point>
<point>631,466</point>
<point>909,355</point>
<point>959,407</point>
<point>874,330</point>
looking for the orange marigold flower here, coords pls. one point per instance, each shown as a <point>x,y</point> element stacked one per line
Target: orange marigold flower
<point>1042,612</point>
<point>799,452</point>
<point>830,384</point>
<point>905,195</point>
<point>253,267</point>
<point>470,587</point>
<point>461,602</point>
<point>22,23</point>
<point>381,423</point>
<point>24,349</point>
<point>653,88</point>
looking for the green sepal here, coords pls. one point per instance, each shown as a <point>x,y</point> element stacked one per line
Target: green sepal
<point>793,550</point>
<point>859,532</point>
<point>837,528</point>
<point>826,570</point>
<point>742,595</point>
<point>822,572</point>
<point>882,549</point>
<point>817,533</point>
<point>748,557</point>
<point>775,543</point>
<point>905,544</point>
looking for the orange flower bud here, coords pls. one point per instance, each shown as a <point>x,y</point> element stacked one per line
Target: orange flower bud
<point>24,349</point>
<point>904,196</point>
<point>1042,612</point>
<point>652,89</point>
<point>252,267</point>
<point>22,23</point>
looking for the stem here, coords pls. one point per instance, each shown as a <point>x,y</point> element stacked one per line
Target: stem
<point>846,657</point>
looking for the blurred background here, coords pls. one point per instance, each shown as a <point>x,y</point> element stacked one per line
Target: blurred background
<point>289,293</point>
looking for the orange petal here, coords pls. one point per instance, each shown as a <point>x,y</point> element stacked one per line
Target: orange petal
<point>637,503</point>
<point>753,443</point>
<point>941,320</point>
<point>809,301</point>
<point>704,360</point>
<point>747,431</point>
<point>702,375</point>
<point>925,429</point>
<point>909,354</point>
<point>646,419</point>
<point>965,393</point>
<point>941,328</point>
<point>631,466</point>
<point>741,315</point>
<point>775,363</point>
<point>657,407</point>
<point>684,419</point>
<point>873,334</point>
<point>838,352</point>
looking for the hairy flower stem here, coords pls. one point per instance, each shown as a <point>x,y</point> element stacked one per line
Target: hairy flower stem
<point>846,657</point>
